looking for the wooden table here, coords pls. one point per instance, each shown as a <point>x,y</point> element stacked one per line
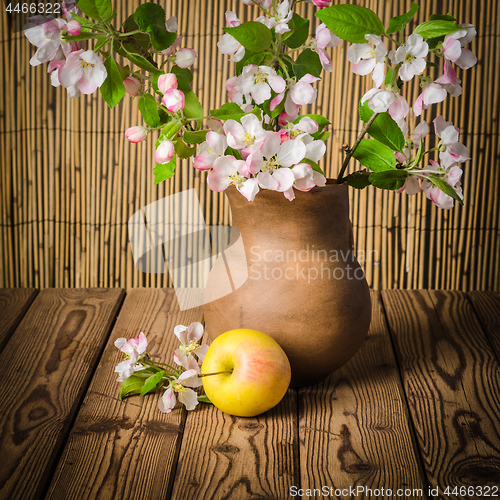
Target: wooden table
<point>416,410</point>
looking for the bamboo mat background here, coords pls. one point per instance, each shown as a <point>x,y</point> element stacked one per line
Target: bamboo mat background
<point>70,180</point>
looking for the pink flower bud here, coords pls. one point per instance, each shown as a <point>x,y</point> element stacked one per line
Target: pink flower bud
<point>136,134</point>
<point>74,28</point>
<point>166,82</point>
<point>185,57</point>
<point>132,85</point>
<point>321,3</point>
<point>165,152</point>
<point>174,100</point>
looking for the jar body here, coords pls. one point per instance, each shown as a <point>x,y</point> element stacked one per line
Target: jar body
<point>295,278</point>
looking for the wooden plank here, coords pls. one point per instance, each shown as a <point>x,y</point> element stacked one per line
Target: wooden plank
<point>451,378</point>
<point>14,303</point>
<point>126,449</point>
<point>45,369</point>
<point>223,456</point>
<point>354,429</point>
<point>487,307</point>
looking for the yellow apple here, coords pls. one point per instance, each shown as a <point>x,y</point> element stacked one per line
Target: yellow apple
<point>256,372</point>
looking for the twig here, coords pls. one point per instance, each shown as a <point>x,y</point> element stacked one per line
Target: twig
<point>364,130</point>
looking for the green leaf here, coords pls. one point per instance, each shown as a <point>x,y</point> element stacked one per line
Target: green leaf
<point>351,22</point>
<point>435,29</point>
<point>87,35</point>
<point>149,110</point>
<point>445,187</point>
<point>228,111</point>
<point>359,179</point>
<point>150,17</point>
<point>84,22</point>
<point>169,131</point>
<point>204,399</point>
<point>300,32</point>
<point>195,137</point>
<point>375,155</point>
<point>100,44</point>
<point>112,90</point>
<point>323,136</point>
<point>399,22</point>
<point>384,129</point>
<point>182,73</point>
<point>142,62</point>
<point>89,8</point>
<point>389,179</point>
<point>254,36</point>
<point>249,58</point>
<point>131,385</point>
<point>164,171</point>
<point>307,62</point>
<point>104,7</point>
<point>182,149</point>
<point>152,383</point>
<point>192,107</point>
<point>365,113</point>
<point>442,17</point>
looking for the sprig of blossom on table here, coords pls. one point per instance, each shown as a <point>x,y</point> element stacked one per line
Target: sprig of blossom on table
<point>140,374</point>
<point>259,140</point>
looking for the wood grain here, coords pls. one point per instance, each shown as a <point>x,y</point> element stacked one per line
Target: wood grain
<point>126,449</point>
<point>487,307</point>
<point>451,379</point>
<point>14,303</point>
<point>354,428</point>
<point>226,457</point>
<point>45,369</point>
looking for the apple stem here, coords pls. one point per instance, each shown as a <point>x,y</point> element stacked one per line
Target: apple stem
<point>215,373</point>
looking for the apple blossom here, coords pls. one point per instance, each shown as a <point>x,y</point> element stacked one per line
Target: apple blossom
<point>165,152</point>
<point>133,348</point>
<point>451,151</point>
<point>166,82</point>
<point>170,50</point>
<point>180,386</point>
<point>70,7</point>
<point>171,24</point>
<point>47,37</point>
<point>265,4</point>
<point>228,44</point>
<point>411,55</point>
<point>452,177</point>
<point>226,172</point>
<point>210,150</point>
<point>449,80</point>
<point>411,186</point>
<point>185,57</point>
<point>247,136</point>
<point>301,93</point>
<point>173,100</point>
<point>432,94</point>
<point>132,85</point>
<point>190,347</point>
<point>320,3</point>
<point>453,44</point>
<point>136,134</point>
<point>366,59</point>
<point>385,100</point>
<point>258,82</point>
<point>305,179</point>
<point>74,28</point>
<point>280,20</point>
<point>84,69</point>
<point>325,38</point>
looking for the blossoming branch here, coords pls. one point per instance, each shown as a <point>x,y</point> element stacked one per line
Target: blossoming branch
<point>259,139</point>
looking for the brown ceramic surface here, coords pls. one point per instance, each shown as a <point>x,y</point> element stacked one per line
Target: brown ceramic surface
<point>304,286</point>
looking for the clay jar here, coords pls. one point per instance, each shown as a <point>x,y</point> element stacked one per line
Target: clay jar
<point>295,277</point>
